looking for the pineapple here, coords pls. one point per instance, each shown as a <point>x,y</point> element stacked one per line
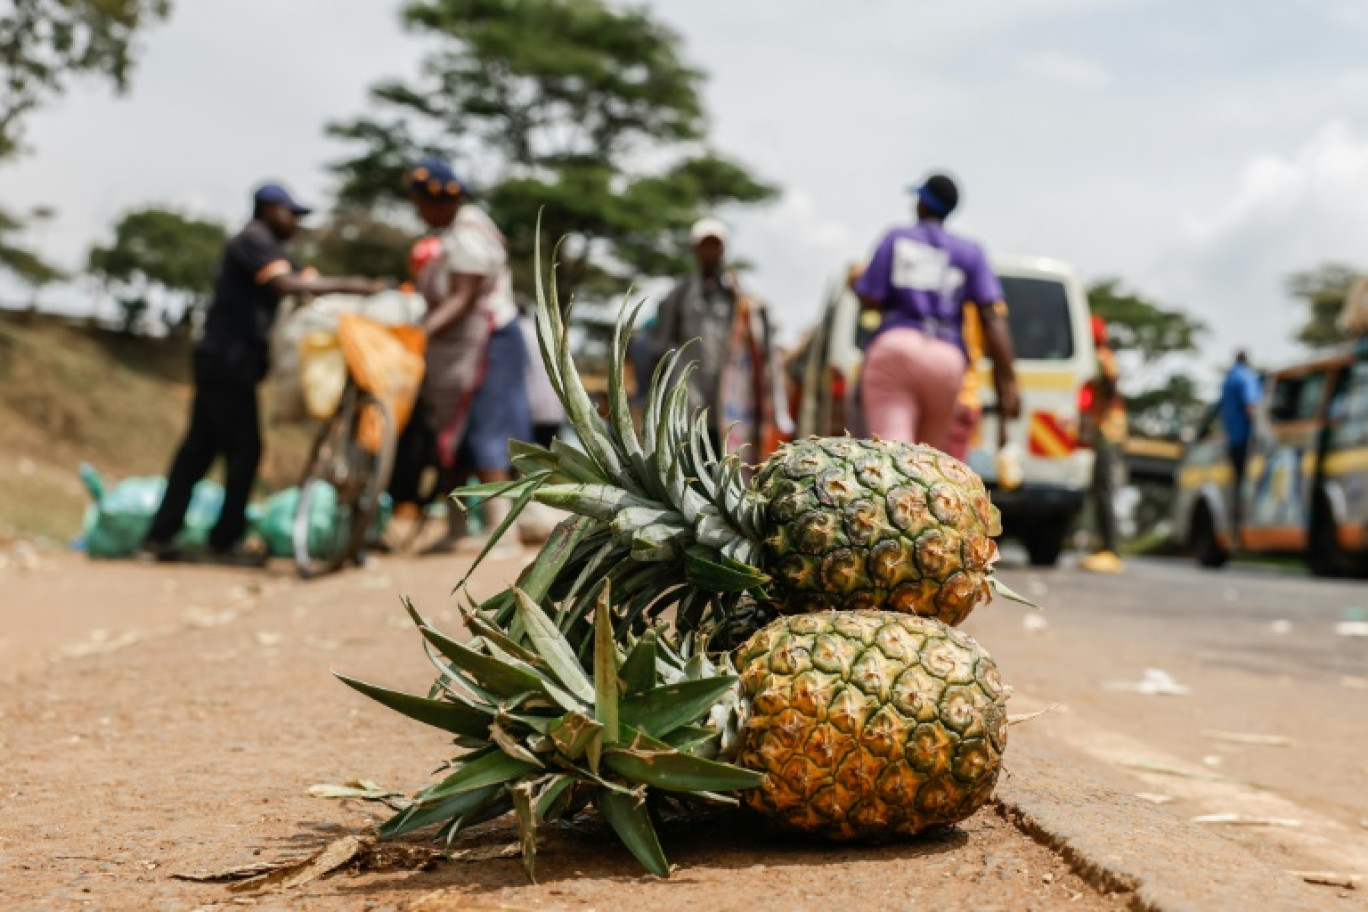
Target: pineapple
<point>826,523</point>
<point>860,724</point>
<point>869,724</point>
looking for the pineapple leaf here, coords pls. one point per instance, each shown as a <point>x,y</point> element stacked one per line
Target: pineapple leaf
<point>638,672</point>
<point>702,465</point>
<point>489,489</point>
<point>537,579</point>
<point>524,497</point>
<point>605,669</point>
<point>627,815</point>
<point>673,771</point>
<point>661,710</point>
<point>572,733</point>
<point>450,717</point>
<point>502,678</point>
<point>708,570</point>
<point>525,814</point>
<point>553,648</point>
<point>423,814</point>
<point>496,637</point>
<point>1000,588</point>
<point>600,501</point>
<point>487,769</point>
<point>688,738</point>
<point>550,795</point>
<point>621,409</point>
<point>510,746</point>
<point>575,464</point>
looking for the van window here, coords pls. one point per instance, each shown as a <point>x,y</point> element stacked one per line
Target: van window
<point>1297,398</point>
<point>1038,313</point>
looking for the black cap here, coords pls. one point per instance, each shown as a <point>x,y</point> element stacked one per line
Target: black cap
<point>938,194</point>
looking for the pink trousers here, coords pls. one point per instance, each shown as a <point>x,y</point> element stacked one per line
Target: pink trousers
<point>910,383</point>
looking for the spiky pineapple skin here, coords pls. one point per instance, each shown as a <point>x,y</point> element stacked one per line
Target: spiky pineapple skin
<point>859,524</point>
<point>869,724</point>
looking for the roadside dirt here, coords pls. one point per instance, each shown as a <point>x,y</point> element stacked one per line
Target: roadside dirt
<point>156,721</point>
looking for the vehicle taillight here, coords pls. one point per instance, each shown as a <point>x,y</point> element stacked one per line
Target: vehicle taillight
<point>1087,394</point>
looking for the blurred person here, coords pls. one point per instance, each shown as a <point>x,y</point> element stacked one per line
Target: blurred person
<point>548,415</point>
<point>732,351</point>
<point>231,358</point>
<point>475,387</point>
<point>922,278</point>
<point>701,308</point>
<point>1241,392</point>
<point>1104,429</point>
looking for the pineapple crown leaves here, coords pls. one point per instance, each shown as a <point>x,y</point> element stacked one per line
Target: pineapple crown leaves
<point>675,523</point>
<point>546,737</point>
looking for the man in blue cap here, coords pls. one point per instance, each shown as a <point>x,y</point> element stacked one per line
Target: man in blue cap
<point>229,361</point>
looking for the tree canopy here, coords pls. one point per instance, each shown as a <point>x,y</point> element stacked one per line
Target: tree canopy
<point>1322,290</point>
<point>17,258</point>
<point>1151,332</point>
<point>579,110</point>
<point>159,247</point>
<point>354,242</point>
<point>44,43</point>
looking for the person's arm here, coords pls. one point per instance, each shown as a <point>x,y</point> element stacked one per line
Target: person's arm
<point>983,287</point>
<point>997,341</point>
<point>462,293</point>
<point>295,283</point>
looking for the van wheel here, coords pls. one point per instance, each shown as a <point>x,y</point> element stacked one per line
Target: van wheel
<point>1204,542</point>
<point>1044,543</point>
<point>1324,554</point>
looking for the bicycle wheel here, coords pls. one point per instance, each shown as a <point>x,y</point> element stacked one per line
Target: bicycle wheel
<point>339,495</point>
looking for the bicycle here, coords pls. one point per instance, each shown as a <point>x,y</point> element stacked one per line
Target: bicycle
<point>353,454</point>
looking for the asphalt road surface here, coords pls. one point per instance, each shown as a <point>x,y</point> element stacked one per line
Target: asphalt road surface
<point>1269,721</point>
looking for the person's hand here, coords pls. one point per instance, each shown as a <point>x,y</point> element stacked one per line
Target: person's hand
<point>1009,399</point>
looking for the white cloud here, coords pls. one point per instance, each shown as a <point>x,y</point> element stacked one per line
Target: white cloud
<point>1065,70</point>
<point>1284,213</point>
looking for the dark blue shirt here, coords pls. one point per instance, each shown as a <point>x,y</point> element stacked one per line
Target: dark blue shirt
<point>1239,392</point>
<point>237,329</point>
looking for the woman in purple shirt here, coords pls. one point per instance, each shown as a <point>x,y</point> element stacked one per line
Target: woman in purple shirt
<point>921,277</point>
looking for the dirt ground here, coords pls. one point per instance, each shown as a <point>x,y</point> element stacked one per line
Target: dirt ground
<point>157,720</point>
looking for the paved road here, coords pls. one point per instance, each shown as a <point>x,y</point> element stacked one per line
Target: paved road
<point>1228,616</point>
<point>1258,653</point>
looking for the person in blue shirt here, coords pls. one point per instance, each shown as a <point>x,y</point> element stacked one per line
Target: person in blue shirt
<point>1240,395</point>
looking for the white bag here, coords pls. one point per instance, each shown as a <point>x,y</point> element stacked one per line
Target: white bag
<point>320,316</point>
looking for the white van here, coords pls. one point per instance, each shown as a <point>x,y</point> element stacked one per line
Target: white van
<point>1050,324</point>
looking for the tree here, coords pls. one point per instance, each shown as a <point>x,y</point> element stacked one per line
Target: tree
<point>1323,290</point>
<point>577,110</point>
<point>17,258</point>
<point>43,43</point>
<point>354,242</point>
<point>1159,400</point>
<point>163,248</point>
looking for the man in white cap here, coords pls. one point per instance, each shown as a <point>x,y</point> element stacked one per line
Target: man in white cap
<point>701,306</point>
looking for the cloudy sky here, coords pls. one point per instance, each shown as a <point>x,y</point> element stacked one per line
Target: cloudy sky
<point>1199,150</point>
